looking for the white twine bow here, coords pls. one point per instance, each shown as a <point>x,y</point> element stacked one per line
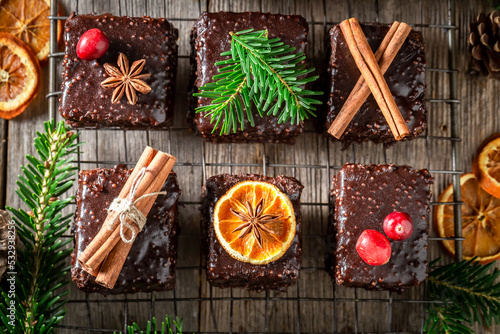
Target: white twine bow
<point>126,209</point>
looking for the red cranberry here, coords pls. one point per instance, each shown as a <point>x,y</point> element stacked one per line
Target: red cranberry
<point>398,226</point>
<point>92,45</point>
<point>374,248</point>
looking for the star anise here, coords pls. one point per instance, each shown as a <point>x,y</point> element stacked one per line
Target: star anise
<point>126,79</point>
<point>254,221</point>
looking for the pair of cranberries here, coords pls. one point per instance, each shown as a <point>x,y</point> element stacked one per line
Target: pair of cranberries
<point>92,45</point>
<point>373,246</point>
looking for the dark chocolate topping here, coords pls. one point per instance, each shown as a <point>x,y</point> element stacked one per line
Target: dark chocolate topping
<point>210,37</point>
<point>364,195</point>
<point>85,103</point>
<point>150,265</point>
<point>225,271</point>
<point>405,78</point>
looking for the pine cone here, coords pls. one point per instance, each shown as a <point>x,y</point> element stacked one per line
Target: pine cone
<point>484,44</point>
<point>4,240</point>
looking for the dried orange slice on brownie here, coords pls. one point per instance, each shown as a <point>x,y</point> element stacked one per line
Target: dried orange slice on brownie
<point>480,220</point>
<point>19,76</point>
<point>486,165</point>
<point>27,20</point>
<point>255,222</point>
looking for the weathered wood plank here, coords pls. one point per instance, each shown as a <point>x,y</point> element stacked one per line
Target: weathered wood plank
<point>479,115</point>
<point>480,100</point>
<point>4,127</point>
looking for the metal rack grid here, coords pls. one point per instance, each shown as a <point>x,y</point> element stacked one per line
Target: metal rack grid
<point>454,139</point>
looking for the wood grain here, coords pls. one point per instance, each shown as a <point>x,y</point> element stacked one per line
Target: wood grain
<point>259,312</point>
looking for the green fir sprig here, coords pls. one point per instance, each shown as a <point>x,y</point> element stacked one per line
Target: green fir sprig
<point>264,73</point>
<point>495,4</point>
<point>464,293</point>
<point>41,265</point>
<point>169,326</point>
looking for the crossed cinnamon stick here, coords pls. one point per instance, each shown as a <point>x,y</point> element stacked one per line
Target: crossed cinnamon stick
<point>372,68</point>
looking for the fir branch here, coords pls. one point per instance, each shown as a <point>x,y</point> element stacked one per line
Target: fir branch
<point>466,293</point>
<point>263,73</point>
<point>443,319</point>
<point>41,265</point>
<point>495,4</point>
<point>169,326</point>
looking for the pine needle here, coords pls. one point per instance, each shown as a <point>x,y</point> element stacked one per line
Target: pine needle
<point>464,293</point>
<point>41,262</point>
<point>264,74</point>
<point>495,4</point>
<point>169,326</point>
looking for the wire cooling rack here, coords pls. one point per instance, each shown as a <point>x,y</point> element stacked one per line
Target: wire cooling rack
<point>211,301</point>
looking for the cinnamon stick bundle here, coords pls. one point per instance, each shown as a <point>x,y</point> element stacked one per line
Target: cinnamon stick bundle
<point>105,255</point>
<point>372,68</point>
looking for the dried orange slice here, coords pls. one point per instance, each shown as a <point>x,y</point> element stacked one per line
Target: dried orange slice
<point>27,20</point>
<point>480,220</point>
<point>19,76</point>
<point>255,222</point>
<point>486,165</point>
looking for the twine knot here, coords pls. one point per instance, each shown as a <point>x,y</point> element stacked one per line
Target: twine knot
<point>127,211</point>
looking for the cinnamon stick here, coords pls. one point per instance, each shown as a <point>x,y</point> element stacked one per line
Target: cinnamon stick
<point>385,54</point>
<point>371,72</point>
<point>145,159</point>
<point>152,171</point>
<point>361,91</point>
<point>391,109</point>
<point>112,265</point>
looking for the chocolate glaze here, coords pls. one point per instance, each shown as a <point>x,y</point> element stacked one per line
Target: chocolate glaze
<point>210,37</point>
<point>223,270</point>
<point>150,265</point>
<point>405,78</point>
<point>362,196</point>
<point>84,103</point>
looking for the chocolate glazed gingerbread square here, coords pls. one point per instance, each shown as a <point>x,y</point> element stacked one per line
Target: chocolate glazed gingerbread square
<point>209,38</point>
<point>86,104</point>
<point>223,270</point>
<point>150,265</point>
<point>361,197</point>
<point>405,78</point>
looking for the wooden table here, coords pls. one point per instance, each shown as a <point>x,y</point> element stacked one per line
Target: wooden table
<point>256,312</point>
